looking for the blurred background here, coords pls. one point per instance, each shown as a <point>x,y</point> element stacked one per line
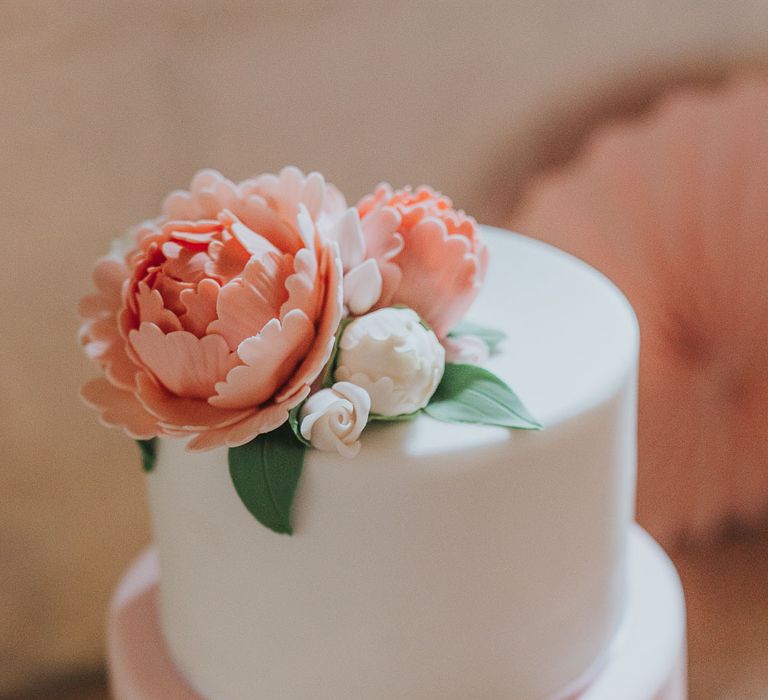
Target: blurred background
<point>634,134</point>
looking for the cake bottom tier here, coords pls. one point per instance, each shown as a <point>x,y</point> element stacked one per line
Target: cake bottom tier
<point>646,661</point>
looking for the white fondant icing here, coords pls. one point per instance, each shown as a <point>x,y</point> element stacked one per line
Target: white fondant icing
<point>444,561</point>
<point>645,662</point>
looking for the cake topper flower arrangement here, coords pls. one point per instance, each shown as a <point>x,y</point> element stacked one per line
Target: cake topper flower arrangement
<point>268,317</point>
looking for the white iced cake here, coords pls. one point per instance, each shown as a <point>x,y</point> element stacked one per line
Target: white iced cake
<point>390,455</point>
<point>445,561</point>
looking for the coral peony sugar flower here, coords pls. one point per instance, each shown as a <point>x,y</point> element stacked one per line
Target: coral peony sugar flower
<point>434,261</point>
<point>222,313</point>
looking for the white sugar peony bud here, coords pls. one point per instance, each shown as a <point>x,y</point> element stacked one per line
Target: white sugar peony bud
<point>466,349</point>
<point>332,419</point>
<point>391,355</point>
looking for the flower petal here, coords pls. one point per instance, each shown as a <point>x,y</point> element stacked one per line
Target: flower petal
<point>245,305</point>
<point>201,306</point>
<point>186,365</point>
<point>103,343</point>
<point>119,409</point>
<point>252,242</point>
<point>302,286</point>
<point>108,276</point>
<point>439,275</point>
<point>380,230</point>
<point>348,233</point>
<point>362,287</point>
<point>181,415</point>
<point>269,359</point>
<point>267,419</point>
<point>152,309</point>
<point>333,306</point>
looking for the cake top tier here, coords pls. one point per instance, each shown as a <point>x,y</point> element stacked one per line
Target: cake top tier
<point>268,317</point>
<point>571,338</point>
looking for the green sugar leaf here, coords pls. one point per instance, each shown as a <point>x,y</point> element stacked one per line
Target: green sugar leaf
<point>402,418</point>
<point>490,336</point>
<point>471,394</point>
<point>148,449</point>
<point>265,473</point>
<point>295,423</point>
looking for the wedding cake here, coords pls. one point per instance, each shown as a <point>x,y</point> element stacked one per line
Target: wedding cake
<point>390,454</point>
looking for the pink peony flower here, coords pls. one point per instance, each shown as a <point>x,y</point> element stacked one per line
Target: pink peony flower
<point>431,256</point>
<point>221,315</point>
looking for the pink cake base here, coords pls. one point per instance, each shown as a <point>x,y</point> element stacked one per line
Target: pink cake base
<point>647,661</point>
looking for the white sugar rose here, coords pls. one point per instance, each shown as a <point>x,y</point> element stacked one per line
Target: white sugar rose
<point>332,419</point>
<point>391,355</point>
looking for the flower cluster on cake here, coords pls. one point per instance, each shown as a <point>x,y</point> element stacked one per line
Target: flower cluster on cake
<point>269,317</point>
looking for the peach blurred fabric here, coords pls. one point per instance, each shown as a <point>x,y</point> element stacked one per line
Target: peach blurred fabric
<point>673,207</point>
<point>107,105</point>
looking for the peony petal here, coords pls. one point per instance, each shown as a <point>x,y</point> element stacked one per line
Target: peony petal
<point>252,242</point>
<point>119,409</point>
<point>306,226</point>
<point>186,365</point>
<point>227,259</point>
<point>184,264</point>
<point>181,415</point>
<point>334,202</point>
<point>286,192</point>
<point>103,343</point>
<point>152,309</point>
<point>302,286</point>
<point>440,275</point>
<point>180,204</point>
<point>382,193</point>
<point>263,421</point>
<point>109,275</point>
<point>247,304</point>
<point>333,306</point>
<point>255,213</point>
<point>348,234</point>
<point>170,290</point>
<point>201,307</point>
<point>362,287</point>
<point>380,230</point>
<point>269,359</point>
<point>312,194</point>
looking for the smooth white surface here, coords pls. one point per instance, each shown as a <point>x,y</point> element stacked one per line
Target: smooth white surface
<point>646,662</point>
<point>445,561</point>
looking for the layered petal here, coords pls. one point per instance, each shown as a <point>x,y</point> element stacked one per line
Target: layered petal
<point>330,317</point>
<point>119,409</point>
<point>246,304</point>
<point>109,275</point>
<point>200,304</point>
<point>151,307</point>
<point>268,359</point>
<point>440,275</point>
<point>264,420</point>
<point>186,365</point>
<point>103,343</point>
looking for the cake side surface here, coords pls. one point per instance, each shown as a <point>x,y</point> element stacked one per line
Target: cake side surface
<point>447,561</point>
